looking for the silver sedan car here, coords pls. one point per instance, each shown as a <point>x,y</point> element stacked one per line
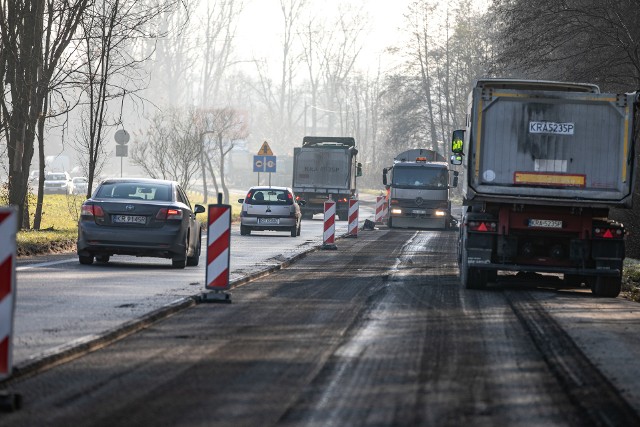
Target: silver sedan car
<point>270,208</point>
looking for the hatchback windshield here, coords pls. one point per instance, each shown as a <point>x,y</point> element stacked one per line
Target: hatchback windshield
<point>133,190</point>
<point>268,196</point>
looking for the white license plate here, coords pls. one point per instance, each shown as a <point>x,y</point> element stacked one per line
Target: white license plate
<point>545,223</point>
<point>419,211</point>
<point>130,219</point>
<point>268,220</point>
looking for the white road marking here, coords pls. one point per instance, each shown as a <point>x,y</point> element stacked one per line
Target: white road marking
<point>46,264</point>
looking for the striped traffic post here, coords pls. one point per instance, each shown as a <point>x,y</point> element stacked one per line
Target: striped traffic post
<point>8,228</point>
<point>379,209</point>
<point>352,230</point>
<point>218,253</point>
<point>329,235</point>
<point>385,208</point>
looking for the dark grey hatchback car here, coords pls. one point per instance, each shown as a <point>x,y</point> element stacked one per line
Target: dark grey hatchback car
<point>141,217</point>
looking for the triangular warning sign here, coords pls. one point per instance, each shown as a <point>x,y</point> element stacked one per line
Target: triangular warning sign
<point>265,150</point>
<point>482,227</point>
<point>607,234</point>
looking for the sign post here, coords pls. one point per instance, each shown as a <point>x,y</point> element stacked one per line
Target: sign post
<point>122,150</point>
<point>264,161</point>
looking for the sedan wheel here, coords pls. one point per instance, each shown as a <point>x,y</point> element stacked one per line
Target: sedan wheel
<point>103,258</point>
<point>180,261</point>
<point>194,260</point>
<point>85,260</point>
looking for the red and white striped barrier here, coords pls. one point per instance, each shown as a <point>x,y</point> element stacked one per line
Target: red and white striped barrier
<point>329,235</point>
<point>8,228</point>
<point>218,248</point>
<point>354,209</point>
<point>380,205</point>
<point>385,209</point>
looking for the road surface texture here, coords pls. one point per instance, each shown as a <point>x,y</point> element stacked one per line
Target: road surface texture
<point>378,332</point>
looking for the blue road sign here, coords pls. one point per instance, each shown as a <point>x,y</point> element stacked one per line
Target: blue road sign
<point>264,163</point>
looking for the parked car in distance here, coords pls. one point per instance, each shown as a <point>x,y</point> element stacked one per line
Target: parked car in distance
<point>80,185</point>
<point>57,183</point>
<point>270,208</point>
<point>140,217</point>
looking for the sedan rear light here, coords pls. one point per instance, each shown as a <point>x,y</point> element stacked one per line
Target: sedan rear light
<point>92,210</point>
<point>169,213</point>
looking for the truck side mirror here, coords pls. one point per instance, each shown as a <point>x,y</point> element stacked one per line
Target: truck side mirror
<point>384,176</point>
<point>456,159</point>
<point>457,141</point>
<point>359,169</point>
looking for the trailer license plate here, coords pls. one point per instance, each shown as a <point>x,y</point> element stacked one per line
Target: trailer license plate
<point>268,220</point>
<point>130,219</point>
<point>545,223</point>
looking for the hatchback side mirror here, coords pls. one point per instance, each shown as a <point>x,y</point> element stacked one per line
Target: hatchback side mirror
<point>240,200</point>
<point>198,209</point>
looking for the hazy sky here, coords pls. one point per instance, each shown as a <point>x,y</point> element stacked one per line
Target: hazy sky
<point>260,28</point>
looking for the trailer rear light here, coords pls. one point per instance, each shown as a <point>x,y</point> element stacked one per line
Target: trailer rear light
<point>482,226</point>
<point>169,213</point>
<point>608,233</point>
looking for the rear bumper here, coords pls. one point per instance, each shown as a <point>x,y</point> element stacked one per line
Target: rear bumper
<point>418,222</point>
<point>613,272</point>
<point>165,242</point>
<point>284,224</point>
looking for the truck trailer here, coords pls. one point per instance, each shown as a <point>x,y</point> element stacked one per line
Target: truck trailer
<point>325,168</point>
<point>418,190</point>
<point>543,163</point>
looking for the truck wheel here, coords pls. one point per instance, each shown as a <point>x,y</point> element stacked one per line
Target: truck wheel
<point>476,278</point>
<point>390,223</point>
<point>607,287</point>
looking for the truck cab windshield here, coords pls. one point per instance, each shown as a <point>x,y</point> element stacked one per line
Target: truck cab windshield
<point>420,177</point>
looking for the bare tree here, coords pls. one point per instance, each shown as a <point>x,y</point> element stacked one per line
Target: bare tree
<point>25,74</point>
<point>224,128</point>
<point>171,147</point>
<point>109,70</point>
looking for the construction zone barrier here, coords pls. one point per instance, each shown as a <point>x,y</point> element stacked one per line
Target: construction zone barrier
<point>354,209</point>
<point>385,209</point>
<point>9,402</point>
<point>8,228</point>
<point>218,253</point>
<point>329,235</point>
<point>379,209</point>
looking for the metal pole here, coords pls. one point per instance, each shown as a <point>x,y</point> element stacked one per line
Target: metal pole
<point>269,179</point>
<point>121,166</point>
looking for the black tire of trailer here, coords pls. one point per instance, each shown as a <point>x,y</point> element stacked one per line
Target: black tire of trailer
<point>606,287</point>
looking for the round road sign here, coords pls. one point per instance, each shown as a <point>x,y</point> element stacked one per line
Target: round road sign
<point>122,136</point>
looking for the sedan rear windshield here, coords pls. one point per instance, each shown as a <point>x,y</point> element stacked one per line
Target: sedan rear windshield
<point>135,191</point>
<point>269,197</point>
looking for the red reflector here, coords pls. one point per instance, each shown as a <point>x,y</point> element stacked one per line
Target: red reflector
<point>482,227</point>
<point>607,234</point>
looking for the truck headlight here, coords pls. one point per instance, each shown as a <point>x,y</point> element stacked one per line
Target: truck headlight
<point>440,213</point>
<point>396,211</point>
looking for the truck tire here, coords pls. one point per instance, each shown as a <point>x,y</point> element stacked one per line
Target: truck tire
<point>471,277</point>
<point>607,287</point>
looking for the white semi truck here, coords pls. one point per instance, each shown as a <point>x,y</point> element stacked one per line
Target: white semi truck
<point>543,164</point>
<point>418,186</point>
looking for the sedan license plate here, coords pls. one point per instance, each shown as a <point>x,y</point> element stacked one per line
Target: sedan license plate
<point>268,220</point>
<point>545,223</point>
<point>129,219</point>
